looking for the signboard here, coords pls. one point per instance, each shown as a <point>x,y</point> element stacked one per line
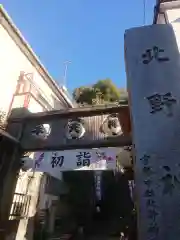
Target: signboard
<point>39,164</point>
<point>82,159</point>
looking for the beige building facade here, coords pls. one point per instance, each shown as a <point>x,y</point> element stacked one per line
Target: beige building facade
<point>26,83</point>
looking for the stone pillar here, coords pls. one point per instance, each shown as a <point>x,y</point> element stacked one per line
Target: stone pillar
<point>153,73</point>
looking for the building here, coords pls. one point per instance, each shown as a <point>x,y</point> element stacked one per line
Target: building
<point>168,12</point>
<point>26,83</point>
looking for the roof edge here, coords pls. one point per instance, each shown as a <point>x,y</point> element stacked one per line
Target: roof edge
<point>161,7</point>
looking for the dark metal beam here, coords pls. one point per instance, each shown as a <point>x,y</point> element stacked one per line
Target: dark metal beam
<point>119,141</point>
<point>58,120</point>
<point>70,113</point>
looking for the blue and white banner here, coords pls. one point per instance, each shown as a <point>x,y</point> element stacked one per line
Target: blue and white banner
<point>82,159</point>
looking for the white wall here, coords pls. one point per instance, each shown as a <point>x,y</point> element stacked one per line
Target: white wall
<point>46,200</point>
<point>34,106</point>
<point>12,61</point>
<point>18,102</point>
<point>173,16</point>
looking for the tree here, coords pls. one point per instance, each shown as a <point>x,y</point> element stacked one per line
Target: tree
<point>84,95</point>
<point>110,93</point>
<point>104,91</point>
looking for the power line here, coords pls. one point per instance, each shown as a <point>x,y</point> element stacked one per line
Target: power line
<point>144,12</point>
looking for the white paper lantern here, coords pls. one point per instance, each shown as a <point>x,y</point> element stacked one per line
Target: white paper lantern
<point>124,158</point>
<point>74,130</point>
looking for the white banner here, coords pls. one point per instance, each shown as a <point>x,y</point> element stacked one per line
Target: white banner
<point>38,164</point>
<point>83,159</point>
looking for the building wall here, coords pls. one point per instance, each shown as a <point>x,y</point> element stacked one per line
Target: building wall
<point>170,13</point>
<point>173,15</point>
<point>13,61</point>
<point>24,84</point>
<point>34,107</point>
<point>32,184</point>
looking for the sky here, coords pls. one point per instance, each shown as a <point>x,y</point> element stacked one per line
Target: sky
<point>87,33</point>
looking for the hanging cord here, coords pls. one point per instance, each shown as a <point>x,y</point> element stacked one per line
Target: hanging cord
<point>144,12</point>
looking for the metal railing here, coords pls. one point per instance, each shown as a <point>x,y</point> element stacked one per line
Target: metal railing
<point>37,92</point>
<point>20,206</point>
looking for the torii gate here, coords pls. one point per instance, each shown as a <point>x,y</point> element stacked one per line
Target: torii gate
<point>153,66</point>
<point>26,128</point>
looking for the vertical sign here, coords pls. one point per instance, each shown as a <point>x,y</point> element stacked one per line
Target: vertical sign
<point>97,180</point>
<point>153,73</point>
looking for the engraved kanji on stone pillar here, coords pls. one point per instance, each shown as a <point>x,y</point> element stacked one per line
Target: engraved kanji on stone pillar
<point>153,66</point>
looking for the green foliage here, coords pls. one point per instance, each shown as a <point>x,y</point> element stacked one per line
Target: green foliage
<point>84,95</point>
<point>110,93</point>
<point>104,91</point>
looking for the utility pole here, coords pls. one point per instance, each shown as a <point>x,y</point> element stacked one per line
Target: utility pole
<point>144,12</point>
<point>65,72</point>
